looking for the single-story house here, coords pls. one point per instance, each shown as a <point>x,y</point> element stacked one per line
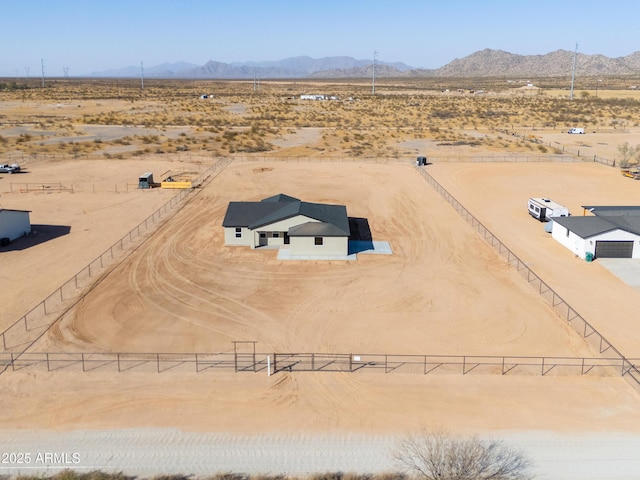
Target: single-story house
<point>14,223</point>
<point>611,232</point>
<point>286,222</point>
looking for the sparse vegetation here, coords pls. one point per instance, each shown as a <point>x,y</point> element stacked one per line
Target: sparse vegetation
<point>169,116</point>
<point>99,475</point>
<point>439,455</point>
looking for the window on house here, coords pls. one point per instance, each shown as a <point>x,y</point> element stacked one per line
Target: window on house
<point>276,234</point>
<point>238,232</point>
<point>318,241</point>
<point>286,238</point>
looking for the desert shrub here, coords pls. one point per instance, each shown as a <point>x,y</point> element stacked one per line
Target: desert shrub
<point>439,455</point>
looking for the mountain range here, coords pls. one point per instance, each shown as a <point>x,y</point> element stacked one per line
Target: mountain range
<point>484,63</point>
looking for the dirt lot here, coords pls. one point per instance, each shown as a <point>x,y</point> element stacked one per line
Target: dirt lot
<point>443,291</point>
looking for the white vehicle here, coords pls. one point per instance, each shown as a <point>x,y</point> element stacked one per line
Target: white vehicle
<point>576,130</point>
<point>5,168</point>
<point>544,209</point>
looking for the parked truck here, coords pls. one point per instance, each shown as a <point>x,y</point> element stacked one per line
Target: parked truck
<point>545,209</point>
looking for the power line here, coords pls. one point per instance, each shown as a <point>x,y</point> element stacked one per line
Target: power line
<point>573,71</point>
<point>373,78</point>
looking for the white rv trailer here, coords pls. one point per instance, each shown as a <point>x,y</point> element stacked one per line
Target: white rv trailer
<point>544,209</point>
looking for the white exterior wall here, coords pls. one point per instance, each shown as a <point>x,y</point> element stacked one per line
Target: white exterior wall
<point>580,246</point>
<point>14,224</point>
<point>246,240</point>
<point>573,242</point>
<point>331,246</point>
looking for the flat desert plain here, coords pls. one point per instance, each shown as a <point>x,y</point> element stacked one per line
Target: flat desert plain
<point>442,291</point>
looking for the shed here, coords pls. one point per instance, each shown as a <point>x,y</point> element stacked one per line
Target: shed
<point>145,180</point>
<point>14,224</point>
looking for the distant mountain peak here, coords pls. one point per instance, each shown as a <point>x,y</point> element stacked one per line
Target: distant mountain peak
<point>483,63</point>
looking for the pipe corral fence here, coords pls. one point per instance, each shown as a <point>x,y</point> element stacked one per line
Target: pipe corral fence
<point>23,333</point>
<point>273,363</point>
<point>559,305</point>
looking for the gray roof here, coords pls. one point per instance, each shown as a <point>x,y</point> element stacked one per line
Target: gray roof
<point>13,210</point>
<point>243,214</point>
<point>585,227</point>
<point>590,226</point>
<point>280,207</point>
<point>281,197</point>
<point>613,211</point>
<point>316,229</point>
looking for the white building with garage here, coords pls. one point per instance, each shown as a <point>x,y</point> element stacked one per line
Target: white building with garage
<point>282,221</point>
<point>14,224</point>
<point>610,232</point>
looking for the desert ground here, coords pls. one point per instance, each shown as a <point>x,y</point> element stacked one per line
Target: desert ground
<point>443,291</point>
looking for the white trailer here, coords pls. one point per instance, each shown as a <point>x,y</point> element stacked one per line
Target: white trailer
<point>545,209</point>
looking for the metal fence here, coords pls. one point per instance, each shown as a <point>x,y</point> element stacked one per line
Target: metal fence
<point>30,187</point>
<point>412,159</point>
<point>25,331</point>
<point>273,363</point>
<point>559,305</point>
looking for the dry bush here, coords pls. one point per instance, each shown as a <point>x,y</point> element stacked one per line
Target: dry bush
<point>440,455</point>
<point>441,110</point>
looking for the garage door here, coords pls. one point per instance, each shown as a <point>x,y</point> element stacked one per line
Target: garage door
<point>614,249</point>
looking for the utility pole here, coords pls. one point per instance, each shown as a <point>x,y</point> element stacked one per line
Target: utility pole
<point>573,71</point>
<point>141,75</point>
<point>373,78</point>
<point>66,72</point>
<point>42,67</point>
<point>256,81</point>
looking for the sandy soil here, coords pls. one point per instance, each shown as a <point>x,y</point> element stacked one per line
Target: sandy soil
<point>442,291</point>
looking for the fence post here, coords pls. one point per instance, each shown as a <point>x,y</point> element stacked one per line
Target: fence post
<point>48,366</point>
<point>118,359</point>
<point>82,358</point>
<point>542,367</point>
<point>158,361</point>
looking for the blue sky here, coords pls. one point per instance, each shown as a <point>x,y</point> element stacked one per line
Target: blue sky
<point>95,35</point>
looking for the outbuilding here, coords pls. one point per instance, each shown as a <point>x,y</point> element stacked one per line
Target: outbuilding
<point>283,221</point>
<point>14,224</point>
<point>611,232</point>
